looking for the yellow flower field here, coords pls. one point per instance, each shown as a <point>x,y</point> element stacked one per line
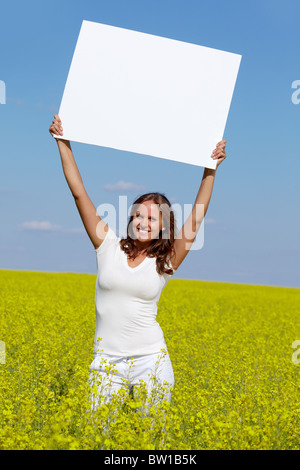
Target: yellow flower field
<point>236,386</point>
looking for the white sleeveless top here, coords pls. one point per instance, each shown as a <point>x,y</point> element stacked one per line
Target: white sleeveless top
<point>126,302</point>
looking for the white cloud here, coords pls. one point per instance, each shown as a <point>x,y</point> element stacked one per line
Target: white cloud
<point>48,227</point>
<point>209,221</point>
<point>20,103</point>
<point>124,186</point>
<point>44,226</point>
<point>46,107</point>
<point>74,230</point>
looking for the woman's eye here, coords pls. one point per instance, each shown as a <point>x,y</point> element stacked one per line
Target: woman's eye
<point>151,218</point>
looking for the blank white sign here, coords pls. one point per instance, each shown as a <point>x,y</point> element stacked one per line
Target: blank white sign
<point>147,94</point>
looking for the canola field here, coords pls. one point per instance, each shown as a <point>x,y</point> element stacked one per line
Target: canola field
<point>237,385</point>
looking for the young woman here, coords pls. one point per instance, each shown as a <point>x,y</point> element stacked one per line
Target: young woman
<point>132,272</point>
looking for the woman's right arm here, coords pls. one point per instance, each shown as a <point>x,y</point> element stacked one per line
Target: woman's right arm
<point>95,227</point>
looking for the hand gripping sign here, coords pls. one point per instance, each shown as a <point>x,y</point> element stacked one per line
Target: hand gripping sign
<point>147,94</point>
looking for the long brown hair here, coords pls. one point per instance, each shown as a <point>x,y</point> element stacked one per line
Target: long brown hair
<point>162,248</point>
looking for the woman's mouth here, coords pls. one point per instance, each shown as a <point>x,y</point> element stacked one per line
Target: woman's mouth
<point>143,231</point>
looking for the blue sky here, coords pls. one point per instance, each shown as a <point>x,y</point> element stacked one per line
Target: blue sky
<point>252,227</point>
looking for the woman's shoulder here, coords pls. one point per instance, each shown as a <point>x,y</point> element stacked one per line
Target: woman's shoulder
<point>110,239</point>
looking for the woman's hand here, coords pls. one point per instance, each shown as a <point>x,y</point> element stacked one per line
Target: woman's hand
<point>219,153</point>
<point>56,126</point>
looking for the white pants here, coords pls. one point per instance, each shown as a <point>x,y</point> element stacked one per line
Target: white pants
<point>112,373</point>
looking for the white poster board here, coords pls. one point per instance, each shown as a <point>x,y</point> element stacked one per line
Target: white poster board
<point>147,94</point>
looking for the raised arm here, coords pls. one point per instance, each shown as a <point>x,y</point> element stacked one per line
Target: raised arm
<point>95,227</point>
<point>190,228</point>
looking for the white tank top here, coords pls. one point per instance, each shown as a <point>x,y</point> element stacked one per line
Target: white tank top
<point>126,302</point>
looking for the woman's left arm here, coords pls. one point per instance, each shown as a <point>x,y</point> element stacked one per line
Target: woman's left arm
<point>190,228</point>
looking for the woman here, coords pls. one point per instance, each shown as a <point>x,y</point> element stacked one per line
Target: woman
<point>132,272</point>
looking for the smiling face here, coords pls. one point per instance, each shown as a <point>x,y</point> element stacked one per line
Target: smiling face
<point>147,222</point>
